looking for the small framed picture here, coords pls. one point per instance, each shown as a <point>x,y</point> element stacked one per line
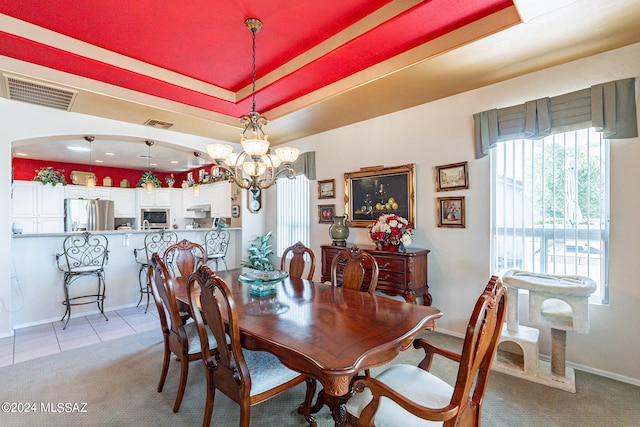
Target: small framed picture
<point>326,213</point>
<point>327,189</point>
<point>451,212</point>
<point>452,177</point>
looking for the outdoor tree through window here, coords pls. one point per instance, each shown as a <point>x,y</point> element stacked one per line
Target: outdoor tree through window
<point>550,206</point>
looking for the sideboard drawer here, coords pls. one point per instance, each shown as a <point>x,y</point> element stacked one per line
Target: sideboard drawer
<point>400,273</point>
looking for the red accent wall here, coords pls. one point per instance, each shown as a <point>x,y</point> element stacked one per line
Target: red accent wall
<point>26,170</point>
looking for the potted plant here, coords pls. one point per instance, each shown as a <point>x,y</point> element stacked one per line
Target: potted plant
<point>49,176</point>
<point>149,176</point>
<point>259,252</point>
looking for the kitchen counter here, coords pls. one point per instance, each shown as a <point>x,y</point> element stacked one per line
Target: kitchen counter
<point>118,232</point>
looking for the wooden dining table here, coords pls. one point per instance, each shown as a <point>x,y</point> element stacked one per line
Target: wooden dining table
<point>327,333</point>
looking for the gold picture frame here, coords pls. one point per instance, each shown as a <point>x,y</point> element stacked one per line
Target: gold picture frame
<point>327,189</point>
<point>454,176</point>
<point>451,212</point>
<point>368,188</point>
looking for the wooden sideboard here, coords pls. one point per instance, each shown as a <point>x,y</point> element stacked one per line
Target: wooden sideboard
<point>401,273</point>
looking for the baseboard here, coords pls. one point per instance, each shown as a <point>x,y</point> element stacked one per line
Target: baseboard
<point>86,313</point>
<point>577,366</point>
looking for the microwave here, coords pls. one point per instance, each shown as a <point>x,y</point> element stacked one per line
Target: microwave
<point>154,218</point>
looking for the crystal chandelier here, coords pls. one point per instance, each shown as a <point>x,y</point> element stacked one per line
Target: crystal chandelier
<point>254,168</point>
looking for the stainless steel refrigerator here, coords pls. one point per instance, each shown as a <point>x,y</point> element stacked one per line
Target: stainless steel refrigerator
<point>88,215</point>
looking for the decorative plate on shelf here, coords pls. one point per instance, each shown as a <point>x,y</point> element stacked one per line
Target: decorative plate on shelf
<point>80,178</point>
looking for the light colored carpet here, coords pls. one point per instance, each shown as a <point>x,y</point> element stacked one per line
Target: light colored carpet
<point>117,380</point>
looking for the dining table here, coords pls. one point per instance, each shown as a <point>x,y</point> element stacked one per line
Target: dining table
<point>326,332</point>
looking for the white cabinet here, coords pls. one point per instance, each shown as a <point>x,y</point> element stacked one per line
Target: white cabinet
<point>221,199</point>
<point>24,197</point>
<point>124,202</point>
<point>50,201</point>
<point>82,192</point>
<point>38,208</point>
<point>189,199</point>
<point>158,197</point>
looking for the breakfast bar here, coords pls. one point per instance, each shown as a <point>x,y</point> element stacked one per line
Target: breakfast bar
<point>38,284</point>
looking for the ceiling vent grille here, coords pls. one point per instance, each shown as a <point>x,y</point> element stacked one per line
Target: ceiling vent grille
<point>39,94</point>
<point>158,124</point>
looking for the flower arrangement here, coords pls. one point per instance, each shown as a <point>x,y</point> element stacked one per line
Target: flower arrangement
<point>49,176</point>
<point>391,230</point>
<point>149,176</point>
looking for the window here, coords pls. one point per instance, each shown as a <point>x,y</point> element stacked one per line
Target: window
<point>293,212</point>
<point>550,206</point>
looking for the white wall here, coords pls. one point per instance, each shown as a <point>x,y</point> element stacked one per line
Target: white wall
<point>441,132</point>
<point>428,135</point>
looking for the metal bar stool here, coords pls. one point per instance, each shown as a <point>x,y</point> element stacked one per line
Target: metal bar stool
<point>83,254</point>
<point>154,242</point>
<point>216,243</point>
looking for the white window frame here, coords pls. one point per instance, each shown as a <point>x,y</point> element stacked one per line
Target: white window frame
<point>558,244</point>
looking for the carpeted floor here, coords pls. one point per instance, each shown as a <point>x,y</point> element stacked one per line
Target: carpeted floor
<point>113,383</point>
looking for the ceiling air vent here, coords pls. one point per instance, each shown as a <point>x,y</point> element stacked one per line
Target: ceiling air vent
<point>39,94</point>
<point>158,124</point>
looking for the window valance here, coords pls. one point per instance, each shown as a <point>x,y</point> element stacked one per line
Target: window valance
<point>305,165</point>
<point>609,107</point>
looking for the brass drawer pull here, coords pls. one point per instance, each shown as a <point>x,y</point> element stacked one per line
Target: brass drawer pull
<point>385,277</point>
<point>385,265</point>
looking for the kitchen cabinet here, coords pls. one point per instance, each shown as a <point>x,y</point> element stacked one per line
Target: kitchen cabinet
<point>124,202</point>
<point>158,197</point>
<point>38,208</point>
<point>82,192</point>
<point>221,199</point>
<point>24,199</point>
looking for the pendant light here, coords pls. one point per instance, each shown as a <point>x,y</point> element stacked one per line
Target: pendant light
<point>148,185</point>
<point>196,185</point>
<point>91,179</point>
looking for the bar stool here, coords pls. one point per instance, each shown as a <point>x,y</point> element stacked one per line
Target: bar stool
<point>83,254</point>
<point>216,243</point>
<point>154,242</point>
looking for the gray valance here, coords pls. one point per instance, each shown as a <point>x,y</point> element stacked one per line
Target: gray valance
<point>608,107</point>
<point>305,165</point>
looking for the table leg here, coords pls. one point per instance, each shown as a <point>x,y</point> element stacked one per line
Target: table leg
<point>337,405</point>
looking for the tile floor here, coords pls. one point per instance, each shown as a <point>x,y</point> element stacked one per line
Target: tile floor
<point>50,338</point>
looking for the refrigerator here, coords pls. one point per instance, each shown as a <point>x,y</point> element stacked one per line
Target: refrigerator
<point>88,215</point>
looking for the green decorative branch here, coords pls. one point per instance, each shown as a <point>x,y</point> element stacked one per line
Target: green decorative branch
<point>149,176</point>
<point>49,176</point>
<point>259,255</point>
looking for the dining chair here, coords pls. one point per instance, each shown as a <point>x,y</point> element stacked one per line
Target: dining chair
<point>154,242</point>
<point>83,255</point>
<point>245,376</point>
<point>216,243</point>
<point>180,338</point>
<point>349,270</point>
<point>297,262</point>
<point>183,257</point>
<point>415,397</point>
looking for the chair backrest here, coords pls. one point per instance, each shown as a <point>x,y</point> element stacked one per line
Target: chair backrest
<point>297,263</point>
<point>158,242</point>
<point>84,251</point>
<point>216,243</point>
<point>479,349</point>
<point>348,270</point>
<point>184,257</point>
<point>161,286</point>
<point>218,313</point>
<point>158,274</point>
